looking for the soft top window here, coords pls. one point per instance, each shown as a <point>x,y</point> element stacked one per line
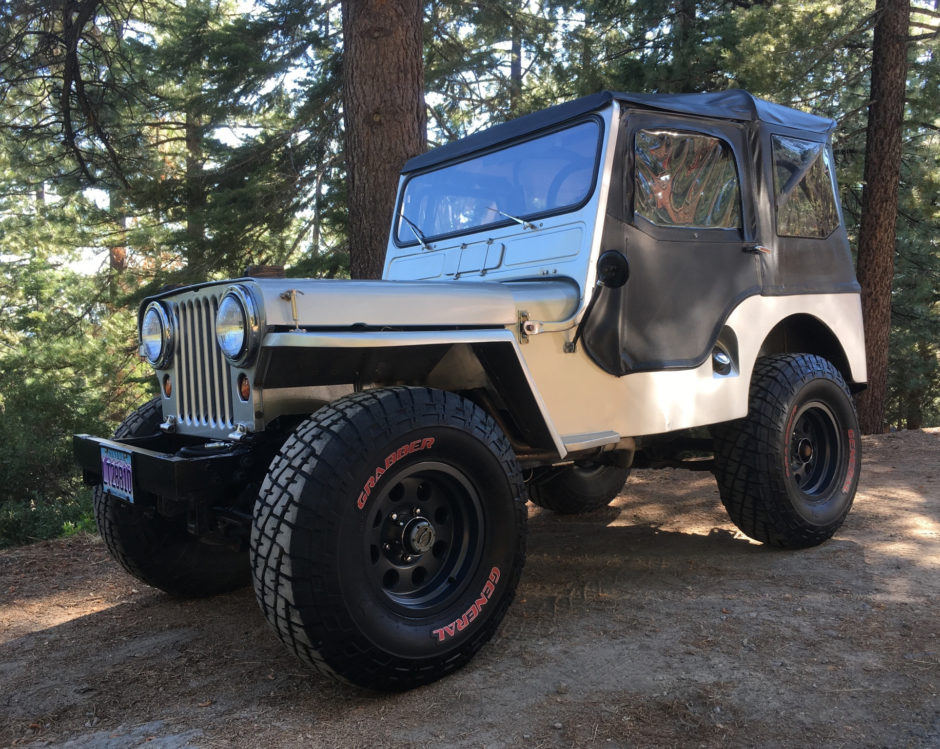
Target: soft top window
<point>686,179</point>
<point>805,203</point>
<point>547,174</point>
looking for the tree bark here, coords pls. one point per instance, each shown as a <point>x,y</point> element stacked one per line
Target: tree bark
<point>876,237</point>
<point>684,53</point>
<point>515,66</point>
<point>195,195</point>
<point>385,119</point>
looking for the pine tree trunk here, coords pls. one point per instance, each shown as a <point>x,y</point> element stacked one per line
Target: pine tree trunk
<point>117,251</point>
<point>587,75</point>
<point>684,53</point>
<point>917,396</point>
<point>385,120</point>
<point>876,237</point>
<point>195,197</point>
<point>515,67</point>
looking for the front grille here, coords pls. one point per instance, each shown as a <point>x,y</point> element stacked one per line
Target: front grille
<point>203,380</point>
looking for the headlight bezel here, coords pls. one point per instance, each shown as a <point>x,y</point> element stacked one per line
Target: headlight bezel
<point>251,326</point>
<point>167,336</point>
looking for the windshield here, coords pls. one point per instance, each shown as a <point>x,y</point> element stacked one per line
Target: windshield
<point>540,176</point>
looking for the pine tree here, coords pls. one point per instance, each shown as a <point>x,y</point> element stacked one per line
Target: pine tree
<point>383,109</point>
<point>876,240</point>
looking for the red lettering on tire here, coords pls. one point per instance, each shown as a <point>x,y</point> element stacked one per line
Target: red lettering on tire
<point>458,625</point>
<point>392,458</point>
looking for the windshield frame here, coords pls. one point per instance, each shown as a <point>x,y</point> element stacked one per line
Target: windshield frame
<point>528,217</point>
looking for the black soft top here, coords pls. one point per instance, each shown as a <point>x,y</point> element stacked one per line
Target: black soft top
<point>734,104</point>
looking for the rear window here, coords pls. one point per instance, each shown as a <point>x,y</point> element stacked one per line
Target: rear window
<point>686,179</point>
<point>805,203</point>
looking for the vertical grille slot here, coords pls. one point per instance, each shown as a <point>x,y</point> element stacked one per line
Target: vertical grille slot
<point>204,395</point>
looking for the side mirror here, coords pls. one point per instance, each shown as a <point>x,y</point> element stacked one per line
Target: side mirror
<point>613,270</point>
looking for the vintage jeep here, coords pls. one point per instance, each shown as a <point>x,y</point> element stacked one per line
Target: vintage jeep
<point>619,280</point>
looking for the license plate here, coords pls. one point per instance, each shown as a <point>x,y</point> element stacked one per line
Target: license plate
<point>118,473</point>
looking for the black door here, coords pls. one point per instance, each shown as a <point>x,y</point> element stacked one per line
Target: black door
<point>687,226</point>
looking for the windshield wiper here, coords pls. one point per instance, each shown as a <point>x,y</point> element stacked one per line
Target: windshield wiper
<point>417,232</point>
<point>523,224</point>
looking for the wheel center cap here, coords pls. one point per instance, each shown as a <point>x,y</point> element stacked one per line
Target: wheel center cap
<point>419,536</point>
<point>805,449</point>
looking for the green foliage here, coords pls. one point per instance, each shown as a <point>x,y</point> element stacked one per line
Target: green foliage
<point>67,364</point>
<point>27,521</point>
<point>67,361</point>
<point>914,355</point>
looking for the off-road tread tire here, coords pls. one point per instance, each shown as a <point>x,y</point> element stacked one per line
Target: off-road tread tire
<point>159,551</point>
<point>749,464</point>
<point>571,492</point>
<point>309,617</point>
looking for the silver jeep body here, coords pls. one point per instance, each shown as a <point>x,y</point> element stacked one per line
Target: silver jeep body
<point>495,309</point>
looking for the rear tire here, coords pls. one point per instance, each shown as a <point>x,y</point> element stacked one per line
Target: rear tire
<point>787,472</point>
<point>389,536</point>
<point>581,487</point>
<point>158,550</point>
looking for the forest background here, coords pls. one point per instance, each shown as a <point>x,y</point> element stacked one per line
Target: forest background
<point>149,142</point>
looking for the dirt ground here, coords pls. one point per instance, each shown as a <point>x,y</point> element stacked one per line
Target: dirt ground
<point>651,623</point>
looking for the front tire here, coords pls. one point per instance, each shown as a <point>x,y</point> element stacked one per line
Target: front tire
<point>787,473</point>
<point>389,536</point>
<point>157,550</point>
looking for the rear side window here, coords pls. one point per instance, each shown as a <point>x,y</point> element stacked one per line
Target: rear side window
<point>805,203</point>
<point>686,179</point>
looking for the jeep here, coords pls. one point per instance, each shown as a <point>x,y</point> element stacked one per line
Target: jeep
<point>621,280</point>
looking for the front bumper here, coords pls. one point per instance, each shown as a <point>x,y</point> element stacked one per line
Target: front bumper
<point>163,471</point>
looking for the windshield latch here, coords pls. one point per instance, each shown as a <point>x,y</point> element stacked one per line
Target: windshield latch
<point>291,296</point>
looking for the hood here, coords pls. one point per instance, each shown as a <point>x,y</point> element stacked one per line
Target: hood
<point>340,303</point>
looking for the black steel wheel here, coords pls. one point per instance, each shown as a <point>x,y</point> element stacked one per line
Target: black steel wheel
<point>817,452</point>
<point>389,536</point>
<point>157,550</point>
<point>425,532</point>
<point>788,472</point>
<point>580,487</point>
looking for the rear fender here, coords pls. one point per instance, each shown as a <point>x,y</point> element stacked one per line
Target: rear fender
<point>809,335</point>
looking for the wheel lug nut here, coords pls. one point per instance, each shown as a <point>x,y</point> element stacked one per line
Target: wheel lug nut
<point>386,546</point>
<point>417,510</point>
<point>394,516</point>
<point>406,558</point>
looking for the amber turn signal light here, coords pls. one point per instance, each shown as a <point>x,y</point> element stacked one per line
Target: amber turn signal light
<point>244,387</point>
<point>167,386</point>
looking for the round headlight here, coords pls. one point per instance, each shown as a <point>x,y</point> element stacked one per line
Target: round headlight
<point>156,336</point>
<point>238,326</point>
<point>231,326</point>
